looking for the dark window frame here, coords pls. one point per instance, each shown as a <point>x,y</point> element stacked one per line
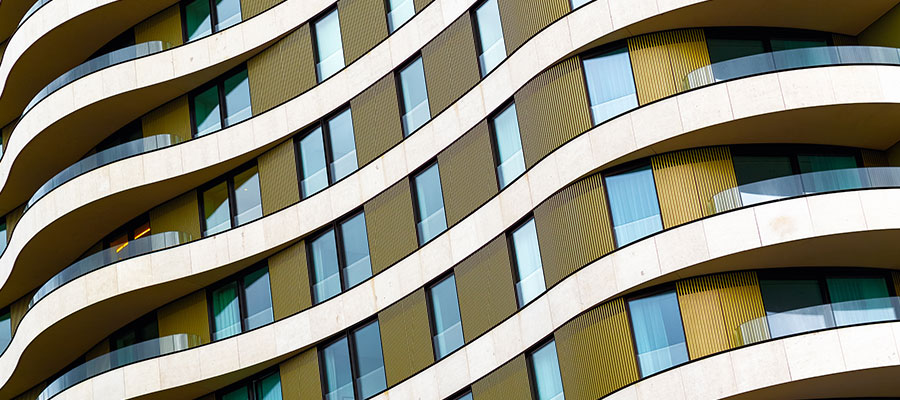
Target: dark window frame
<point>398,83</point>
<point>415,199</point>
<point>336,227</point>
<point>431,317</point>
<point>213,19</point>
<point>624,169</point>
<point>321,123</point>
<point>642,294</point>
<point>529,364</point>
<point>237,278</point>
<point>514,262</point>
<point>348,334</point>
<point>251,383</point>
<point>495,146</point>
<point>219,83</point>
<point>128,230</point>
<point>228,178</point>
<point>315,37</point>
<point>477,32</point>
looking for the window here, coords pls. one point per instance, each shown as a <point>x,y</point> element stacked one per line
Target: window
<point>203,17</point>
<point>633,204</point>
<point>545,372</point>
<point>761,50</point>
<point>447,330</point>
<point>579,3</point>
<point>338,152</point>
<point>527,260</point>
<point>492,49</point>
<point>430,219</point>
<point>266,387</point>
<point>353,366</point>
<point>121,238</point>
<point>334,268</point>
<point>399,11</point>
<point>241,303</point>
<point>3,236</point>
<point>464,396</point>
<point>510,159</point>
<point>329,49</point>
<point>122,343</point>
<point>233,201</point>
<point>658,333</point>
<point>5,329</point>
<point>610,84</point>
<point>415,97</point>
<point>208,112</point>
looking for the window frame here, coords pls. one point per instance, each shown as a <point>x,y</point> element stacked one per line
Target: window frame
<point>529,364</point>
<point>601,51</point>
<point>228,177</point>
<point>821,277</point>
<point>213,19</point>
<point>650,292</point>
<point>473,15</point>
<point>251,383</point>
<point>349,334</point>
<point>415,199</point>
<point>387,18</point>
<point>219,83</point>
<point>335,226</point>
<point>431,317</point>
<point>128,230</point>
<point>237,278</point>
<point>315,37</point>
<point>623,169</point>
<point>322,123</point>
<point>398,83</point>
<point>495,145</point>
<point>514,262</point>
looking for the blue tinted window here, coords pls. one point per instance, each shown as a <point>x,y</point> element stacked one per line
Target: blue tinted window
<point>415,97</point>
<point>490,35</point>
<point>509,146</point>
<point>324,259</point>
<point>337,371</point>
<point>329,49</point>
<point>269,388</point>
<point>610,85</point>
<point>356,251</point>
<point>399,11</point>
<point>529,268</point>
<point>5,330</point>
<point>228,13</point>
<point>634,205</point>
<point>545,369</point>
<point>579,3</point>
<point>314,177</point>
<point>237,98</point>
<point>369,360</point>
<point>448,333</point>
<point>430,202</point>
<point>343,145</point>
<point>257,299</point>
<point>658,333</point>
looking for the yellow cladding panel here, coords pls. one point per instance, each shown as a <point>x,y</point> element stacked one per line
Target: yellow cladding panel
<point>421,4</point>
<point>743,307</point>
<point>522,19</point>
<point>451,64</point>
<point>391,226</point>
<point>363,25</point>
<point>164,26</point>
<point>883,32</point>
<point>467,173</point>
<point>507,382</point>
<point>485,287</point>
<point>300,377</point>
<point>278,178</point>
<point>574,228</point>
<point>376,120</point>
<point>18,309</point>
<point>12,219</point>
<point>662,60</point>
<point>687,180</point>
<point>289,276</point>
<point>552,108</point>
<point>406,337</point>
<point>251,8</point>
<point>282,71</point>
<point>874,158</point>
<point>596,356</point>
<point>172,118</point>
<point>181,214</point>
<point>188,314</point>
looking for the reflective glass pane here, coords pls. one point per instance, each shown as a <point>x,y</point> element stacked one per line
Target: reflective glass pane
<point>3,237</point>
<point>269,388</point>
<point>448,333</point>
<point>197,19</point>
<point>258,298</point>
<point>216,210</point>
<point>860,300</point>
<point>356,250</point>
<point>329,48</point>
<point>5,331</point>
<point>509,146</point>
<point>228,13</point>
<point>794,306</point>
<point>548,380</point>
<point>369,360</point>
<point>326,281</point>
<point>430,201</point>
<point>634,205</point>
<point>723,49</point>
<point>206,111</point>
<point>798,53</point>
<point>490,35</point>
<point>240,393</point>
<point>765,178</point>
<point>399,12</point>
<point>844,175</point>
<point>343,145</point>
<point>247,201</point>
<point>337,371</point>
<point>658,333</point>
<point>467,396</point>
<point>530,270</point>
<point>312,162</point>
<point>579,3</point>
<point>415,97</point>
<point>610,85</point>
<point>237,98</point>
<point>226,311</point>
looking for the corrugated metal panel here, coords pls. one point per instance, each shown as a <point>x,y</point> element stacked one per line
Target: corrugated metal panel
<point>662,60</point>
<point>687,180</point>
<point>714,173</point>
<point>376,120</point>
<point>743,309</point>
<point>363,25</point>
<point>188,314</point>
<point>406,337</point>
<point>701,311</point>
<point>468,176</point>
<point>278,178</point>
<point>289,277</point>
<point>391,226</point>
<point>574,228</point>
<point>251,8</point>
<point>485,287</point>
<point>18,309</point>
<point>874,158</point>
<point>172,118</point>
<point>282,71</point>
<point>522,19</point>
<point>181,214</point>
<point>507,382</point>
<point>687,52</point>
<point>596,356</point>
<point>164,26</point>
<point>421,4</point>
<point>844,40</point>
<point>300,377</point>
<point>552,109</point>
<point>12,219</point>
<point>451,64</point>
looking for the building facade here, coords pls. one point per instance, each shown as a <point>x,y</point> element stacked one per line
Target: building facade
<point>449,199</point>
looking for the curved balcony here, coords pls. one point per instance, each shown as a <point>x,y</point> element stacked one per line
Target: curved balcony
<point>33,9</point>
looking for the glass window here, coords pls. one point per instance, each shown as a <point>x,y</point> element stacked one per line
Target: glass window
<point>216,209</point>
<point>241,303</point>
<point>858,300</point>
<point>355,243</point>
<point>314,176</point>
<point>490,34</point>
<point>634,205</point>
<point>829,172</point>
<point>353,260</point>
<point>323,254</point>
<point>226,99</point>
<point>240,189</point>
<point>361,379</point>
<point>448,333</point>
<point>399,11</point>
<point>237,98</point>
<point>658,333</point>
<point>610,85</point>
<point>467,396</point>
<point>511,160</point>
<point>527,258</point>
<point>269,388</point>
<point>324,163</point>
<point>337,371</point>
<point>545,370</point>
<point>240,393</point>
<point>3,236</point>
<point>369,360</point>
<point>258,299</point>
<point>226,311</point>
<point>765,177</point>
<point>415,97</point>
<point>579,3</point>
<point>5,330</point>
<point>794,306</point>
<point>723,49</point>
<point>207,116</point>
<point>122,342</point>
<point>247,200</point>
<point>329,49</point>
<point>343,145</point>
<point>199,21</point>
<point>430,219</point>
<point>228,13</point>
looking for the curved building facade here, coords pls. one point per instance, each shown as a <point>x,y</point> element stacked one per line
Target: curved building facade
<point>449,199</point>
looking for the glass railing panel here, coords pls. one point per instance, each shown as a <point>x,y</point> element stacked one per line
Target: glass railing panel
<point>868,55</point>
<point>36,6</point>
<point>431,226</point>
<point>108,256</point>
<point>663,358</point>
<point>865,311</point>
<point>803,58</point>
<point>415,118</point>
<point>400,14</point>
